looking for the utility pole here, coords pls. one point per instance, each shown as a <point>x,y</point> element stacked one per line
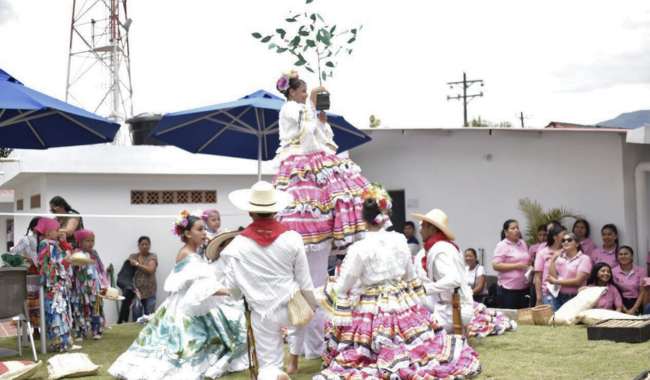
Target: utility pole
<point>465,97</point>
<point>522,117</point>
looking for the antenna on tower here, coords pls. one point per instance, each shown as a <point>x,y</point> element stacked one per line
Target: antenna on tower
<point>99,63</point>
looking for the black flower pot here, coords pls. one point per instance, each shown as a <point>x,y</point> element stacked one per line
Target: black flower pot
<point>322,101</point>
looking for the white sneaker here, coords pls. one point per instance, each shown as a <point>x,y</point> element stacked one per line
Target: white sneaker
<point>97,337</point>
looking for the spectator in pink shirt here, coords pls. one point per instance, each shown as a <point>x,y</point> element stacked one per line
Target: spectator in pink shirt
<point>629,278</point>
<point>607,253</point>
<point>582,230</point>
<point>601,275</point>
<point>541,241</point>
<point>511,261</point>
<point>569,269</point>
<point>543,261</point>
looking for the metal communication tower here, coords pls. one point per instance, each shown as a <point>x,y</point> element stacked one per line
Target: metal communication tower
<point>99,64</point>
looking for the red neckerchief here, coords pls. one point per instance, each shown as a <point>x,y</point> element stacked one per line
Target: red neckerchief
<point>264,231</point>
<point>433,239</point>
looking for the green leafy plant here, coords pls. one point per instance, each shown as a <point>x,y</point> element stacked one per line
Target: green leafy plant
<point>536,216</point>
<point>315,44</point>
<point>5,152</point>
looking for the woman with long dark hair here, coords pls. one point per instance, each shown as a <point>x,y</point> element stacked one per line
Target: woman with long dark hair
<point>543,262</point>
<point>607,253</point>
<point>70,223</point>
<point>582,229</point>
<point>511,260</point>
<point>629,278</point>
<point>601,275</point>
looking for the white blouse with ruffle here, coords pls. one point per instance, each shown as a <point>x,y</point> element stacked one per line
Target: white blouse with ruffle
<point>301,131</point>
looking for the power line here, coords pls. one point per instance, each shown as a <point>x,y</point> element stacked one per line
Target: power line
<point>464,96</point>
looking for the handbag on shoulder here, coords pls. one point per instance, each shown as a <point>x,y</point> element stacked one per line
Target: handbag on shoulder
<point>300,313</point>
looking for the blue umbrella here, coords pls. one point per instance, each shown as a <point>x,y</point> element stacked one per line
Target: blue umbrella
<point>32,120</point>
<point>245,128</point>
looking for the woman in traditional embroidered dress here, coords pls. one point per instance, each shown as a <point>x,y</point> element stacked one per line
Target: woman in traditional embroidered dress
<point>55,277</point>
<point>326,190</point>
<point>190,336</point>
<point>88,282</point>
<point>379,329</point>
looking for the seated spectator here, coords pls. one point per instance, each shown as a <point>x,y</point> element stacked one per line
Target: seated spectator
<point>607,253</point>
<point>582,230</point>
<point>601,275</point>
<point>411,240</point>
<point>628,278</point>
<point>475,275</point>
<point>569,269</point>
<point>511,261</point>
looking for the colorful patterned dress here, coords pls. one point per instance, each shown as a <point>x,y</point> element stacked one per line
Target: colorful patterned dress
<point>326,188</point>
<point>87,305</point>
<point>192,335</point>
<point>56,279</point>
<point>378,327</point>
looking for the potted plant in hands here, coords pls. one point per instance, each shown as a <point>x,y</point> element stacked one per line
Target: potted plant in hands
<point>315,44</point>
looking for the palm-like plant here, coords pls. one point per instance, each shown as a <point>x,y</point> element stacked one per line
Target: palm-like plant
<point>536,216</point>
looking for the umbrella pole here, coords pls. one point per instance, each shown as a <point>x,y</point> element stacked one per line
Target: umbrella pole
<point>259,158</point>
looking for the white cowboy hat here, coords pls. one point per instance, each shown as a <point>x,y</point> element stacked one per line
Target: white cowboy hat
<point>112,294</point>
<point>261,198</point>
<point>216,242</point>
<point>438,218</point>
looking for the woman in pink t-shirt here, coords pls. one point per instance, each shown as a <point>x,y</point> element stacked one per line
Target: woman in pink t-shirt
<point>582,230</point>
<point>568,269</point>
<point>601,275</point>
<point>543,262</point>
<point>607,253</point>
<point>629,278</point>
<point>511,261</point>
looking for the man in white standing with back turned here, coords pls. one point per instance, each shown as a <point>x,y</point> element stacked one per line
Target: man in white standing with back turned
<point>267,263</point>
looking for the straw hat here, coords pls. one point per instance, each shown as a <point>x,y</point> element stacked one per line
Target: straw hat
<point>216,242</point>
<point>261,198</point>
<point>112,294</point>
<point>438,218</point>
<point>80,258</point>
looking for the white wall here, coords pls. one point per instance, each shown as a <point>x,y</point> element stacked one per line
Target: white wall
<point>478,178</point>
<point>4,207</point>
<point>110,194</point>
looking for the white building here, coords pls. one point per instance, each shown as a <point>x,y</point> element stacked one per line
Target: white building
<point>476,175</point>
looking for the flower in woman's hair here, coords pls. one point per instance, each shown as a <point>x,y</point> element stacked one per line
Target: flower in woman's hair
<point>383,203</point>
<point>282,84</point>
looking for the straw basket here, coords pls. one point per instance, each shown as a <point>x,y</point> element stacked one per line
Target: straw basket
<point>525,316</point>
<point>542,314</point>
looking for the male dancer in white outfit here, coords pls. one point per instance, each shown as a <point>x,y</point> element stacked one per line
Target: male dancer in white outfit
<point>442,268</point>
<point>267,263</point>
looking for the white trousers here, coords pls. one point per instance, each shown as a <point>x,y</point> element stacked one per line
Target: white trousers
<point>269,343</point>
<point>308,340</point>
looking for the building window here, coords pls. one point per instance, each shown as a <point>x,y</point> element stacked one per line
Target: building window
<point>154,197</point>
<point>19,205</point>
<point>35,201</point>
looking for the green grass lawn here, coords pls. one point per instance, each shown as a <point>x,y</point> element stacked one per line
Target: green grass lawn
<point>530,353</point>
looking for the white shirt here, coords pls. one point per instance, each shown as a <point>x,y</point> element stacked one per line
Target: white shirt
<point>267,276</point>
<point>27,247</point>
<point>381,256</point>
<point>473,275</point>
<point>301,131</point>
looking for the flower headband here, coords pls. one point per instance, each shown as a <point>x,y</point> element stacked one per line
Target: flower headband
<point>283,83</point>
<point>380,195</point>
<point>181,222</point>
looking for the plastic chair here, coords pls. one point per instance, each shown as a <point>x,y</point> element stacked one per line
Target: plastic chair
<point>13,303</point>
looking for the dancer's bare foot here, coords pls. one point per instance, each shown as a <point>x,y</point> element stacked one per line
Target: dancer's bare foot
<point>292,367</point>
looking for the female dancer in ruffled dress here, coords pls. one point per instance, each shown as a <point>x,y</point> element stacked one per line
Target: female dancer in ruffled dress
<point>88,282</point>
<point>378,328</point>
<point>326,190</point>
<point>56,280</point>
<point>190,336</point>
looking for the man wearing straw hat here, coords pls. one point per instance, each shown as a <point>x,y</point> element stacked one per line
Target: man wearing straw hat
<point>267,263</point>
<point>442,264</point>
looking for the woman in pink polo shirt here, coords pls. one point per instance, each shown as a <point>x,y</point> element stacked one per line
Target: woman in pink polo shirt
<point>582,230</point>
<point>543,262</point>
<point>542,232</point>
<point>607,253</point>
<point>511,260</point>
<point>569,269</point>
<point>601,275</point>
<point>629,277</point>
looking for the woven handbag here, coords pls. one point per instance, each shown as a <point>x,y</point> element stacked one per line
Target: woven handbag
<point>300,313</point>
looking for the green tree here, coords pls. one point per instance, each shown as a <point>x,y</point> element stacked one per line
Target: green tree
<point>5,152</point>
<point>482,123</point>
<point>315,44</point>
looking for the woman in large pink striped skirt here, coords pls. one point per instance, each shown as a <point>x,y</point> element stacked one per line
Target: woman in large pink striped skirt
<point>326,190</point>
